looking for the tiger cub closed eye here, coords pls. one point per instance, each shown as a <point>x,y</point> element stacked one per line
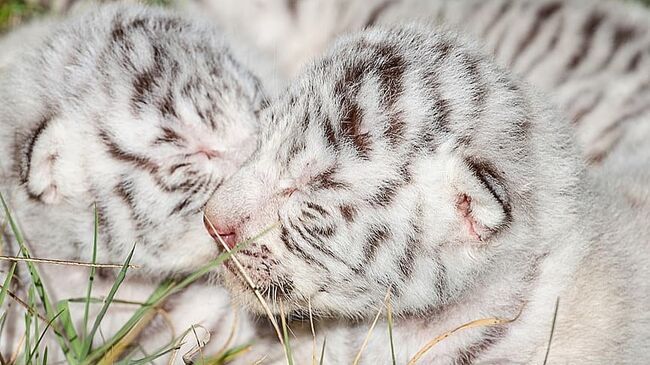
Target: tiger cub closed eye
<point>137,111</point>
<point>405,160</point>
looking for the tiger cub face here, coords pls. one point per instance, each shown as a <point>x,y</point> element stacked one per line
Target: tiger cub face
<point>138,110</point>
<point>403,160</point>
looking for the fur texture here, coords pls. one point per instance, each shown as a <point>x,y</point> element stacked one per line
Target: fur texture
<point>406,160</point>
<point>140,113</point>
<point>591,56</point>
<point>136,110</point>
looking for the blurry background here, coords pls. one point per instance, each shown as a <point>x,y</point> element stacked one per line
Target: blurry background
<point>13,12</point>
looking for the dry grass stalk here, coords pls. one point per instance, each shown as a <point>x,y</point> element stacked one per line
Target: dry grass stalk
<point>249,282</point>
<point>64,262</point>
<point>486,322</point>
<point>198,348</point>
<point>113,354</point>
<point>18,350</point>
<point>313,333</point>
<point>372,327</point>
<point>23,304</point>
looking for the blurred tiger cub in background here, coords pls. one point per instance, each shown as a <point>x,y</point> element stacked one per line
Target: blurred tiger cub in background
<point>593,57</point>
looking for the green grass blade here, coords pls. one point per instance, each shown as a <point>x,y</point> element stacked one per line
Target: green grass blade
<point>34,354</point>
<point>150,358</point>
<point>3,318</point>
<point>149,305</point>
<point>162,292</point>
<point>68,326</point>
<point>225,357</point>
<point>91,278</point>
<point>88,341</point>
<point>6,283</point>
<point>287,346</point>
<point>44,356</point>
<point>28,325</point>
<point>173,345</point>
<point>40,339</point>
<point>37,282</point>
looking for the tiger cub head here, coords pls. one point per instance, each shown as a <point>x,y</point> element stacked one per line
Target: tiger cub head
<point>404,160</point>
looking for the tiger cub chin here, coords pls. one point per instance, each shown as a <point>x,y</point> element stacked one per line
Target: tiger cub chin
<point>405,161</point>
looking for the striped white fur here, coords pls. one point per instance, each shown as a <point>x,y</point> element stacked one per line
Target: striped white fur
<point>592,56</point>
<point>137,110</point>
<point>406,160</point>
<point>141,113</point>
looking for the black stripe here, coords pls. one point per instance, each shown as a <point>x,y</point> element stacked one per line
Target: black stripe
<point>351,128</point>
<point>623,34</point>
<point>293,248</point>
<point>348,212</point>
<point>489,338</point>
<point>615,127</point>
<point>376,12</point>
<point>292,6</point>
<point>589,29</point>
<point>375,237</point>
<point>124,190</point>
<point>479,89</point>
<point>330,135</point>
<point>441,287</point>
<point>145,82</point>
<point>555,39</point>
<point>119,154</point>
<point>505,6</point>
<point>317,208</point>
<point>579,115</point>
<point>27,147</point>
<point>386,193</point>
<point>316,242</point>
<point>494,183</point>
<point>406,262</point>
<point>541,16</point>
<point>326,180</point>
<point>634,61</point>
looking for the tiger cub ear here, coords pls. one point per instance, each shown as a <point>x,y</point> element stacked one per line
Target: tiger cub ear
<point>40,165</point>
<point>481,200</point>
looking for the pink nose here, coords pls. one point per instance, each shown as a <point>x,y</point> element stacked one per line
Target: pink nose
<point>227,235</point>
<point>209,153</point>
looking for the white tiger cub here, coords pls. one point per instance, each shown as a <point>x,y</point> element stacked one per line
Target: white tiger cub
<point>141,113</point>
<point>405,160</point>
<point>591,55</point>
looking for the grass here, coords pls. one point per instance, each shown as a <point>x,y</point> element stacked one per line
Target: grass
<point>14,12</point>
<point>77,343</point>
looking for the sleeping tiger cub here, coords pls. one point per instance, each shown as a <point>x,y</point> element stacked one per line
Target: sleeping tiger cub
<point>405,161</point>
<point>140,113</point>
